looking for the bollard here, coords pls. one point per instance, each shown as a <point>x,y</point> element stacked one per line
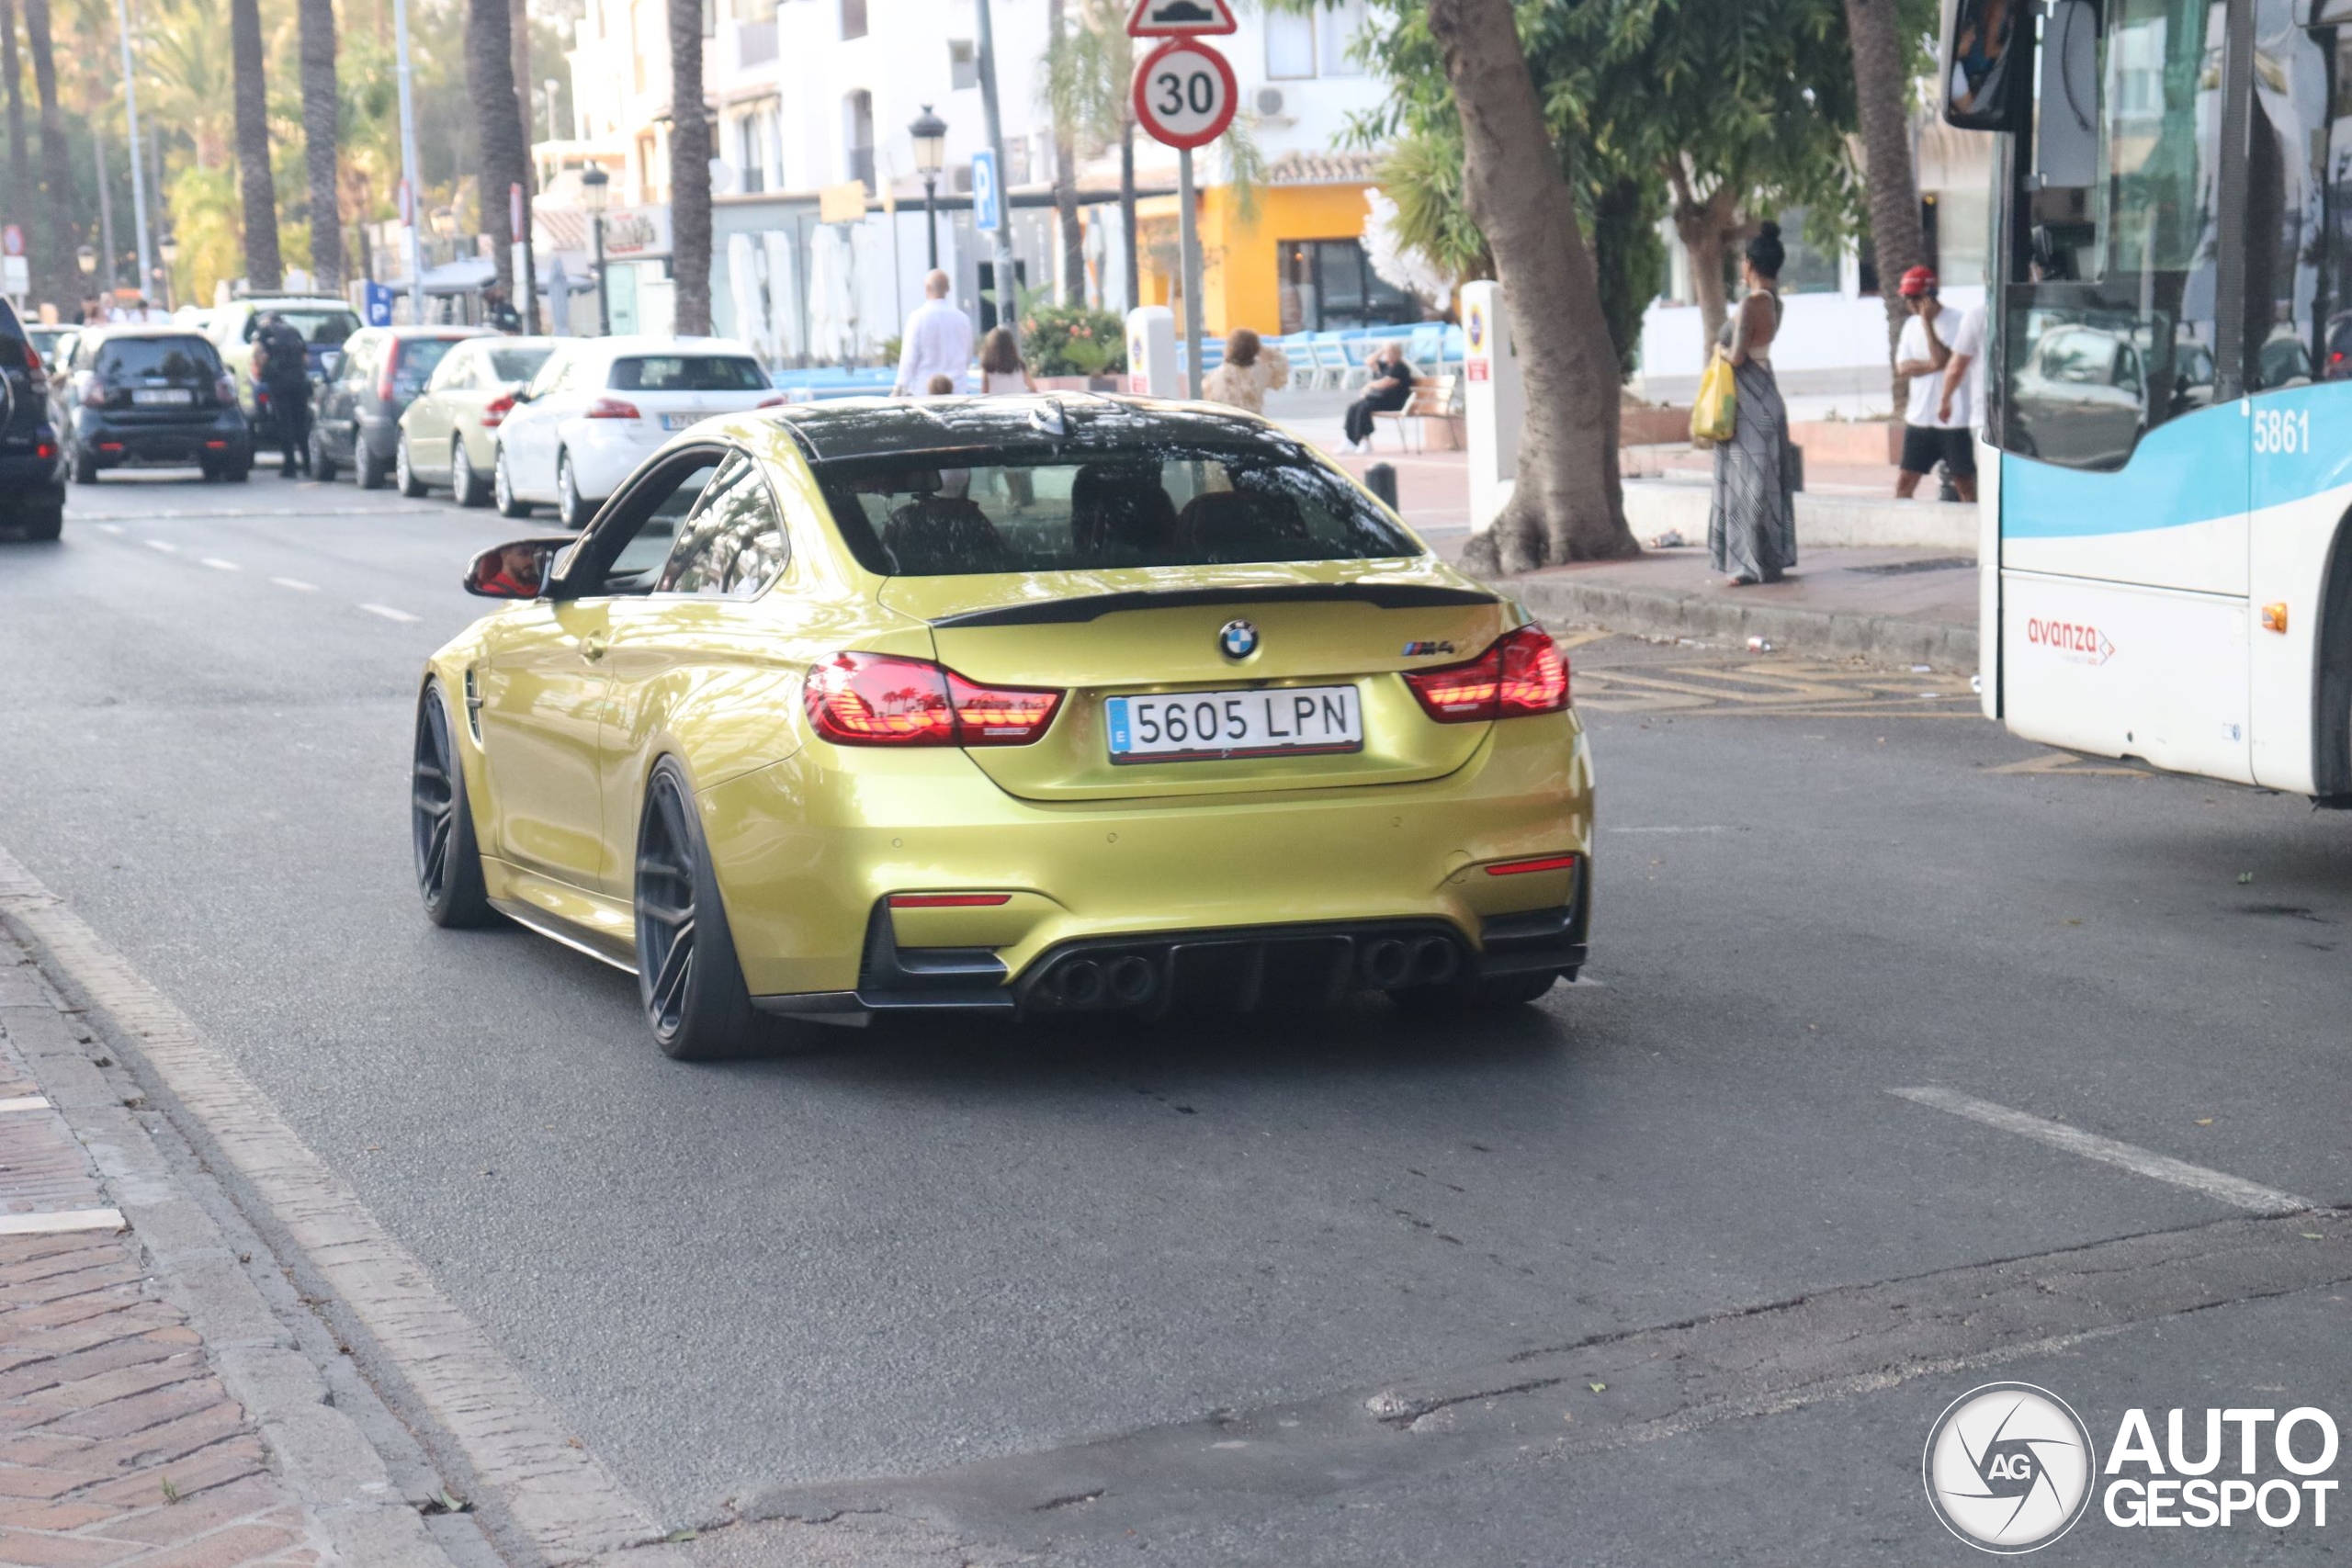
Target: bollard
<point>1381,479</point>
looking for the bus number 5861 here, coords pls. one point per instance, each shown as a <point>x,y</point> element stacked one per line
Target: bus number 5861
<point>2280,430</point>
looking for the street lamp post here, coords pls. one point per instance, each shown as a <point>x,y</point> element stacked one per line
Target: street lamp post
<point>592,194</point>
<point>929,134</point>
<point>168,248</point>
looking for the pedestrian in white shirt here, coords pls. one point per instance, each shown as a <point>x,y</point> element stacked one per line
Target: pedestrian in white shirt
<point>938,341</point>
<point>1963,400</point>
<point>1923,353</point>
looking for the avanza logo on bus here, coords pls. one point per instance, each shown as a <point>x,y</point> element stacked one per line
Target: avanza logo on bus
<point>2075,640</point>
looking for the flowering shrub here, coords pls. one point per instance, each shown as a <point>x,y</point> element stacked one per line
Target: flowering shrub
<point>1071,340</point>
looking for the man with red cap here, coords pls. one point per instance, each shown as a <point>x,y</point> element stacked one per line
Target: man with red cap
<point>1934,429</point>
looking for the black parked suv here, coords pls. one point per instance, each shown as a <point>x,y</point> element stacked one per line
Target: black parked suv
<point>32,474</point>
<point>152,395</point>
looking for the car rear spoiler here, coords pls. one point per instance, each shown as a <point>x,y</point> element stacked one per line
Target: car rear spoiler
<point>1068,612</point>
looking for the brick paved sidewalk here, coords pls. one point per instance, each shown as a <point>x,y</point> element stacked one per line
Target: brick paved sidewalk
<point>117,1442</point>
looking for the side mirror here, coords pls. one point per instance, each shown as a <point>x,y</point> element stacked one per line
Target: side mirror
<point>1985,64</point>
<point>518,570</point>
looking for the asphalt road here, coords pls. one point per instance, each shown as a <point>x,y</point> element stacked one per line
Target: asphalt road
<point>988,1292</point>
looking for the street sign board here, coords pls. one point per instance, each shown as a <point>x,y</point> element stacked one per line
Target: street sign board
<point>12,241</point>
<point>1184,94</point>
<point>988,197</point>
<point>15,276</point>
<point>1180,18</point>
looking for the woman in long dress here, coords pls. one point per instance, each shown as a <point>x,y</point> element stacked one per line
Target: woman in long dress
<point>1752,527</point>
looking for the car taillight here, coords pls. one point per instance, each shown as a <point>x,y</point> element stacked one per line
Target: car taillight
<point>613,408</point>
<point>876,699</point>
<point>384,382</point>
<point>494,412</point>
<point>780,400</point>
<point>1522,673</point>
<point>36,372</point>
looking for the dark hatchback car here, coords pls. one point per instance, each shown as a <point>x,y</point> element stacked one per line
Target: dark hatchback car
<point>151,396</point>
<point>357,421</point>
<point>32,474</point>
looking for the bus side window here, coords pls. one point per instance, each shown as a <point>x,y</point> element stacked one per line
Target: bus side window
<point>2298,209</point>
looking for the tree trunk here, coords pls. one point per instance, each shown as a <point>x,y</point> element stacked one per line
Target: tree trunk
<point>519,20</point>
<point>1566,503</point>
<point>1127,216</point>
<point>689,170</point>
<point>321,136</point>
<point>20,179</point>
<point>1066,178</point>
<point>1898,242</point>
<point>56,165</point>
<point>264,269</point>
<point>490,81</point>
<point>1706,228</point>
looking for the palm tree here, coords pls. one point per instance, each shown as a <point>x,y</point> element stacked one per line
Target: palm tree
<point>321,112</point>
<point>506,162</point>
<point>689,169</point>
<point>1881,82</point>
<point>20,178</point>
<point>1066,173</point>
<point>264,269</point>
<point>54,255</point>
<point>1089,69</point>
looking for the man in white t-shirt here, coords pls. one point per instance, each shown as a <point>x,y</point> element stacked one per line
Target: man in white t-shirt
<point>937,340</point>
<point>1930,434</point>
<point>1964,377</point>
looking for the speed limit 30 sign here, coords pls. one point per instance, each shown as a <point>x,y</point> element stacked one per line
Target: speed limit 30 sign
<point>1184,94</point>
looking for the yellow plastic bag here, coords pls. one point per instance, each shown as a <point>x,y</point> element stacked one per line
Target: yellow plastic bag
<point>1714,413</point>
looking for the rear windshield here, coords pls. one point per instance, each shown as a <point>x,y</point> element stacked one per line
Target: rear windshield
<point>516,363</point>
<point>320,328</point>
<point>1158,506</point>
<point>170,358</point>
<point>688,373</point>
<point>418,355</point>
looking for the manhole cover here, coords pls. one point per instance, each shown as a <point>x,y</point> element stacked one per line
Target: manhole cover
<point>1903,567</point>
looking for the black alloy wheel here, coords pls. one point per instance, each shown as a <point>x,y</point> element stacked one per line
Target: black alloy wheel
<point>449,862</point>
<point>687,975</point>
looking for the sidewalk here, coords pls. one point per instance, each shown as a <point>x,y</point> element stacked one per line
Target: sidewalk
<point>133,1351</point>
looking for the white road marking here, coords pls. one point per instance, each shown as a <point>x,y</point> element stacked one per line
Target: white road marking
<point>61,1220</point>
<point>25,1102</point>
<point>388,612</point>
<point>165,545</point>
<point>558,1494</point>
<point>2234,1190</point>
<point>296,583</point>
<point>216,564</point>
<point>109,528</point>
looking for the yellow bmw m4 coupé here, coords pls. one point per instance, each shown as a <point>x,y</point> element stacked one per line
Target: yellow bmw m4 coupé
<point>1043,704</point>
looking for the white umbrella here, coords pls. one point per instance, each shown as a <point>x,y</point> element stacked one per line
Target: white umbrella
<point>784,306</point>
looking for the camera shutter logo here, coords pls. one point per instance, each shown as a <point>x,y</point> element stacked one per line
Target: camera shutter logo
<point>2009,1468</point>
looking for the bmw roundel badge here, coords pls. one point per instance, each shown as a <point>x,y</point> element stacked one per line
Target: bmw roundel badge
<point>1238,639</point>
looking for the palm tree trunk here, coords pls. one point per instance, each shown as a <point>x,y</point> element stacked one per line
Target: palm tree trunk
<point>1566,503</point>
<point>689,170</point>
<point>1127,215</point>
<point>1065,176</point>
<point>20,178</point>
<point>519,20</point>
<point>321,106</point>
<point>1898,241</point>
<point>56,166</point>
<point>489,79</point>
<point>264,269</point>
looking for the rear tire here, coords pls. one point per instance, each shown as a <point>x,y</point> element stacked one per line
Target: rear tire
<point>687,975</point>
<point>448,862</point>
<point>322,465</point>
<point>404,470</point>
<point>239,470</point>
<point>571,508</point>
<point>42,522</point>
<point>502,490</point>
<point>372,469</point>
<point>466,484</point>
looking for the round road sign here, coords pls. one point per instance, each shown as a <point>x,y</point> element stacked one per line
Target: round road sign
<point>1184,94</point>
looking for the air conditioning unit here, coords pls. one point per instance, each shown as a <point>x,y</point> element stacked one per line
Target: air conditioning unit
<point>1271,103</point>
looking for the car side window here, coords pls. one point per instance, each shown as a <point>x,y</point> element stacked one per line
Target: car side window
<point>455,371</point>
<point>638,530</point>
<point>733,545</point>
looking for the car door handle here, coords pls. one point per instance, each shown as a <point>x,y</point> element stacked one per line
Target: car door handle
<point>591,648</point>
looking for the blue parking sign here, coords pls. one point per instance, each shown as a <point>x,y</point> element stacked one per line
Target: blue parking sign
<point>988,205</point>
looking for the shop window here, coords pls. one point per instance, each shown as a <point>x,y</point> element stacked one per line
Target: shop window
<point>1329,285</point>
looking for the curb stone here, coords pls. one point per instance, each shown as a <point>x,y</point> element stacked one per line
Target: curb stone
<point>1664,613</point>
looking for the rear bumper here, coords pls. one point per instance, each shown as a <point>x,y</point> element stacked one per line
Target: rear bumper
<point>808,850</point>
<point>27,480</point>
<point>207,438</point>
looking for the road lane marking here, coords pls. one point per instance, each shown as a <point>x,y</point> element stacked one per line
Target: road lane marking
<point>109,528</point>
<point>2214,1184</point>
<point>517,1445</point>
<point>25,1102</point>
<point>216,564</point>
<point>388,612</point>
<point>58,1221</point>
<point>165,545</point>
<point>296,583</point>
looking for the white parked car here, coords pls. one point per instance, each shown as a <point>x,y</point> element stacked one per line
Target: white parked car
<point>600,406</point>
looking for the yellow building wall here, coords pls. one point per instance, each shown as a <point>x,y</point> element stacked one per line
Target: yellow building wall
<point>1241,260</point>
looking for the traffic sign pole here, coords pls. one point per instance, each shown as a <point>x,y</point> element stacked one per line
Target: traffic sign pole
<point>1184,96</point>
<point>1189,237</point>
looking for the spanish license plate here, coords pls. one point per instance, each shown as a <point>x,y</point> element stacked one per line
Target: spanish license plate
<point>679,421</point>
<point>161,395</point>
<point>1194,725</point>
